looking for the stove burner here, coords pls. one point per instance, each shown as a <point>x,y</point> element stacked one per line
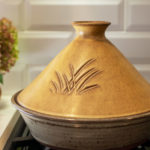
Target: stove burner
<point>21,139</point>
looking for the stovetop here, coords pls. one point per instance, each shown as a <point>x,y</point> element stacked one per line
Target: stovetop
<point>21,139</point>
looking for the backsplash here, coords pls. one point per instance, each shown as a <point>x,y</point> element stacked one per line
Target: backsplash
<point>45,29</point>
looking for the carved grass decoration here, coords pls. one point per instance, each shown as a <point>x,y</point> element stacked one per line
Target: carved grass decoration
<point>78,80</point>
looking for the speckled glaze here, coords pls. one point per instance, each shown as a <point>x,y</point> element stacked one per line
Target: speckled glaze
<point>89,97</point>
<point>86,134</point>
<point>89,78</point>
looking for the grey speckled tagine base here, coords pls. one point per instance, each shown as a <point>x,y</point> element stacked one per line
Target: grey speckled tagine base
<point>86,134</point>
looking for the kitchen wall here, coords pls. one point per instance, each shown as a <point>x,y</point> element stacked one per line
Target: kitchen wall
<point>44,29</point>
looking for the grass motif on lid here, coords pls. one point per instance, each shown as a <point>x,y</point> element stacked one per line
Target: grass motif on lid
<point>78,80</point>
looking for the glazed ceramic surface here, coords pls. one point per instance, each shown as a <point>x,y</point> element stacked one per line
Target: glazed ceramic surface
<point>86,134</point>
<point>89,97</point>
<point>89,78</point>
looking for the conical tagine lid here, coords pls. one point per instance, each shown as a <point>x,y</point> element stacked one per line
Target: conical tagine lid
<point>90,78</point>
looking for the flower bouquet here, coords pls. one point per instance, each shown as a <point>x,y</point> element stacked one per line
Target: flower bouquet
<point>8,47</point>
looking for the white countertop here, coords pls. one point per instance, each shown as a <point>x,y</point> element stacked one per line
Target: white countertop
<point>8,118</point>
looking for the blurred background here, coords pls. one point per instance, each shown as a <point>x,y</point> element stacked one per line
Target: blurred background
<point>44,28</point>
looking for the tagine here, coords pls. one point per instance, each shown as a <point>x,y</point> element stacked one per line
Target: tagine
<point>88,91</point>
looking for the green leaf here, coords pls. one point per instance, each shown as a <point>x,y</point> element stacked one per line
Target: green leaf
<point>1,78</point>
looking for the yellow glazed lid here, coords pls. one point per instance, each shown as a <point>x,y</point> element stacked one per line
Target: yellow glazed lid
<point>90,78</point>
